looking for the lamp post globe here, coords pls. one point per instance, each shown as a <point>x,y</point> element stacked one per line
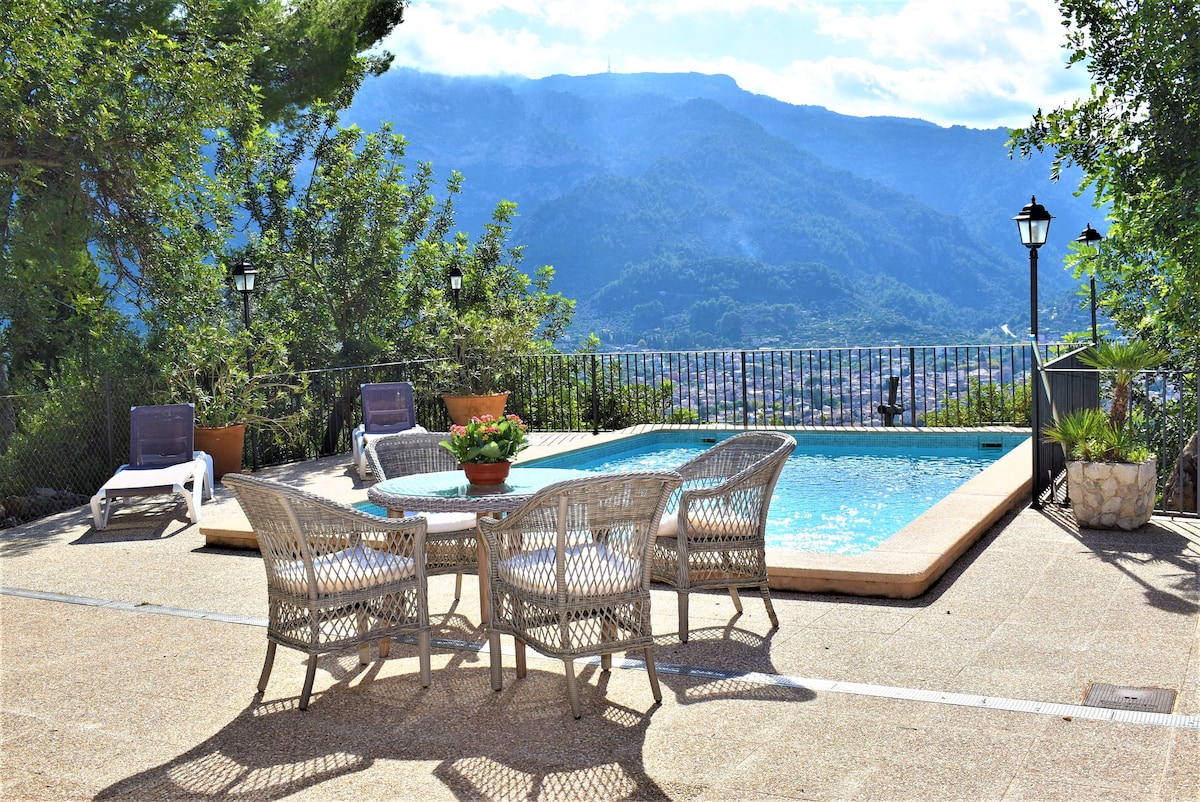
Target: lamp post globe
<point>1090,238</point>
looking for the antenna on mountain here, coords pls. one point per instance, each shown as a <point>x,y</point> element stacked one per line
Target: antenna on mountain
<point>610,63</point>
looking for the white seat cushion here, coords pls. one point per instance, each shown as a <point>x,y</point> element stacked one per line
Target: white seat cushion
<point>592,569</point>
<point>705,524</point>
<point>349,569</point>
<point>441,522</point>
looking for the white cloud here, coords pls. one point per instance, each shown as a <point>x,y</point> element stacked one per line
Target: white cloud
<point>974,62</point>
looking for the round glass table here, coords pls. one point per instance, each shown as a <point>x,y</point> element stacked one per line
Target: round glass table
<point>449,491</point>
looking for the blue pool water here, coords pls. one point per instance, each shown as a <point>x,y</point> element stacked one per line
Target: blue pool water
<point>840,493</point>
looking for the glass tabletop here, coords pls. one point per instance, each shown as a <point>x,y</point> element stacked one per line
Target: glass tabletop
<point>449,491</point>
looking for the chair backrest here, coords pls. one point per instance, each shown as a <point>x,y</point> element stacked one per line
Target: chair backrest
<point>736,454</point>
<point>161,435</point>
<point>295,527</point>
<point>747,467</point>
<point>406,454</point>
<point>388,407</point>
<point>618,513</point>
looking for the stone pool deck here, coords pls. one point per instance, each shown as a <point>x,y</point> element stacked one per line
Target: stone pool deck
<point>129,659</point>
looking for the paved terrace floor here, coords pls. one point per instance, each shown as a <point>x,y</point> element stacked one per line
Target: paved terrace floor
<point>130,658</point>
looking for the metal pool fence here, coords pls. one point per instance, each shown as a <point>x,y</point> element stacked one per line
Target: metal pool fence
<point>72,438</point>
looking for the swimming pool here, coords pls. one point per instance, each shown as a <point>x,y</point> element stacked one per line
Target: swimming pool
<point>839,493</point>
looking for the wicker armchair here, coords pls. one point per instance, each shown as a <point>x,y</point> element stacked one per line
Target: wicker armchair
<point>714,532</point>
<point>569,572</point>
<point>451,545</point>
<point>336,576</point>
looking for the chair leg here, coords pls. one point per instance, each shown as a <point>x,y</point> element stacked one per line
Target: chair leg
<point>423,648</point>
<point>267,665</point>
<point>385,647</point>
<point>308,681</point>
<point>494,652</point>
<point>458,586</point>
<point>519,648</point>
<point>766,594</point>
<point>608,632</point>
<point>683,616</point>
<point>364,648</point>
<point>572,687</point>
<point>653,672</point>
<point>737,600</point>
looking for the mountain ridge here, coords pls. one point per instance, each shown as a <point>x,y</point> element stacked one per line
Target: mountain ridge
<point>623,179</point>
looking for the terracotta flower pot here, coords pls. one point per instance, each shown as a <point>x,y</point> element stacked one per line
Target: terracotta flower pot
<point>225,445</point>
<point>486,473</point>
<point>464,407</point>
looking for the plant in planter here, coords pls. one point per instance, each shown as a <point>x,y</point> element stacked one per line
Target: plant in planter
<point>473,383</point>
<point>487,442</point>
<point>209,366</point>
<point>1111,474</point>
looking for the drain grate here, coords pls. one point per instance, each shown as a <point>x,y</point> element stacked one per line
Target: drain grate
<point>1123,697</point>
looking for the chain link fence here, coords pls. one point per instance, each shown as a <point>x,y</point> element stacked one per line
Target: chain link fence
<point>59,445</point>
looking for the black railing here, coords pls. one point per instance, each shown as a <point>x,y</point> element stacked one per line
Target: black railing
<point>72,438</point>
<point>939,385</point>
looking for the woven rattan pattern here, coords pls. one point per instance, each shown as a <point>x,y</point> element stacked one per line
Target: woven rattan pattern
<point>407,454</point>
<point>569,571</point>
<point>336,577</point>
<point>721,520</point>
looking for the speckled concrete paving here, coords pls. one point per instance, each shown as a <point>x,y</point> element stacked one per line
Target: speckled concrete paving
<point>130,658</point>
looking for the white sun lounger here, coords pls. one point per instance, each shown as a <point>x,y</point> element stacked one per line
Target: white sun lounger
<point>155,481</point>
<point>161,460</point>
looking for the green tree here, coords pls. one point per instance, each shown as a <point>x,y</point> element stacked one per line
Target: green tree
<point>354,252</point>
<point>106,203</point>
<point>984,405</point>
<point>300,52</point>
<point>1137,139</point>
<point>108,111</point>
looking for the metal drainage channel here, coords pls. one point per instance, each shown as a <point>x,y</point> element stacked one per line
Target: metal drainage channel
<point>1104,702</point>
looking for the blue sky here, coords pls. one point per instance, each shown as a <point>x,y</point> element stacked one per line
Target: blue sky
<point>979,63</point>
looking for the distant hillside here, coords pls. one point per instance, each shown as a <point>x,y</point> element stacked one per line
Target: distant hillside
<point>683,212</point>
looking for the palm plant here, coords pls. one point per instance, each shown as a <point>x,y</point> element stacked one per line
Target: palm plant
<point>1091,435</point>
<point>1124,360</point>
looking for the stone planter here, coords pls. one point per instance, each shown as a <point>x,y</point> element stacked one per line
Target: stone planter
<point>1111,495</point>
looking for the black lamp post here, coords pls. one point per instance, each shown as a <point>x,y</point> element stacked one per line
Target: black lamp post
<point>244,274</point>
<point>1091,238</point>
<point>456,277</point>
<point>1033,223</point>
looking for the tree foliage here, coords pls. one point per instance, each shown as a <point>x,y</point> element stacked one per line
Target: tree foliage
<point>1137,138</point>
<point>106,204</point>
<point>354,251</point>
<point>110,208</point>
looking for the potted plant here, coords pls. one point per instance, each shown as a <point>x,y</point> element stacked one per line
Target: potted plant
<point>486,446</point>
<point>473,382</point>
<point>209,366</point>
<point>1111,474</point>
